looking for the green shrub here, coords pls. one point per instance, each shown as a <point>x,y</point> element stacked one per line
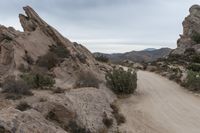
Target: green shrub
<point>37,80</point>
<point>189,51</point>
<point>23,106</point>
<point>196,58</point>
<point>193,81</point>
<point>87,79</point>
<point>196,37</point>
<point>16,87</point>
<point>121,81</point>
<point>60,51</point>
<point>102,58</point>
<point>48,61</point>
<point>194,67</point>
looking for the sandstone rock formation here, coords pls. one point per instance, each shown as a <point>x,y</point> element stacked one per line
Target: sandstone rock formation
<point>191,28</point>
<point>85,106</point>
<point>35,41</point>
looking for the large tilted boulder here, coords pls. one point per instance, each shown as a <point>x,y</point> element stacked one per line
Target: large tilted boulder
<point>35,41</point>
<point>191,28</point>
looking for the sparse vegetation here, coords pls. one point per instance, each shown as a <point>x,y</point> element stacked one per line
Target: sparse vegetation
<point>196,38</point>
<point>15,88</point>
<point>60,51</point>
<point>52,116</point>
<point>108,122</point>
<point>193,81</point>
<point>87,79</point>
<point>118,116</point>
<point>194,67</point>
<point>23,106</point>
<point>82,58</point>
<point>102,58</point>
<point>58,90</point>
<point>73,127</point>
<point>121,81</point>
<point>48,61</point>
<point>38,80</point>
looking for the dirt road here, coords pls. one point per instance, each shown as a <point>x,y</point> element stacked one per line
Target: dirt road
<point>160,106</point>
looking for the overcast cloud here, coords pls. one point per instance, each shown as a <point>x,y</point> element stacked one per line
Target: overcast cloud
<point>108,25</point>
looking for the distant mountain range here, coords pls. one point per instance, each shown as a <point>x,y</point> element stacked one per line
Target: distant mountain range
<point>146,55</point>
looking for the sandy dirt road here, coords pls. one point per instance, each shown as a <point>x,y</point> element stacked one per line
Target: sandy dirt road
<point>160,106</point>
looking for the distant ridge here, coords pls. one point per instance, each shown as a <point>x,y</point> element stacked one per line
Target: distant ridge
<point>146,55</point>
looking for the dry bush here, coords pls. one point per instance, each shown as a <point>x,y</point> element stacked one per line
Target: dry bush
<point>60,50</point>
<point>58,90</point>
<point>118,116</point>
<point>23,106</point>
<point>87,79</point>
<point>48,60</point>
<point>73,127</point>
<point>193,81</point>
<point>38,80</point>
<point>16,87</point>
<point>108,122</point>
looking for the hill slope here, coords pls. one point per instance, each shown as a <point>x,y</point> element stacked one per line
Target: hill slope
<point>138,56</point>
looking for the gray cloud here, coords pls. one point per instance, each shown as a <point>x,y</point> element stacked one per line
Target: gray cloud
<point>100,23</point>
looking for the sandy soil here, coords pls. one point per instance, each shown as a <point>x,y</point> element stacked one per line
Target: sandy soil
<point>160,106</point>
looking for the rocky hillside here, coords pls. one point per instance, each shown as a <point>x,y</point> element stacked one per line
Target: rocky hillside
<point>183,63</point>
<point>50,84</point>
<point>37,40</point>
<point>191,32</point>
<point>138,56</point>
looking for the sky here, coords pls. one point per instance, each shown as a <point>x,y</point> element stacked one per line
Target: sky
<point>109,26</point>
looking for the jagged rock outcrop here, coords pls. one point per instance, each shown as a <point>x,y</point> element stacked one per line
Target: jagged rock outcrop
<point>85,106</point>
<point>191,29</point>
<point>35,41</point>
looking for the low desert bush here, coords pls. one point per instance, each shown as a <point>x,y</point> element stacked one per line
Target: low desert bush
<point>73,127</point>
<point>52,116</point>
<point>23,106</point>
<point>48,60</point>
<point>37,80</point>
<point>118,116</point>
<point>196,58</point>
<point>193,81</point>
<point>16,87</point>
<point>60,51</point>
<point>87,79</point>
<point>196,37</point>
<point>58,90</point>
<point>121,81</point>
<point>194,67</point>
<point>82,58</point>
<point>108,122</point>
<point>102,58</point>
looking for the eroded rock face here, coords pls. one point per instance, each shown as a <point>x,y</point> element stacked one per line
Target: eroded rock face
<point>191,26</point>
<point>35,41</point>
<point>15,121</point>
